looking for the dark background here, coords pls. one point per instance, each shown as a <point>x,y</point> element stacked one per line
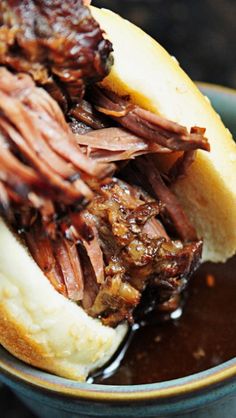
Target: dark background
<point>201,35</point>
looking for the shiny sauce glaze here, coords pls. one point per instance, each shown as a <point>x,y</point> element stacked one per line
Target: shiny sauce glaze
<point>202,337</point>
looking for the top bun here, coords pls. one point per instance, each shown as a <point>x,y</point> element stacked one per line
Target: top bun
<point>155,81</point>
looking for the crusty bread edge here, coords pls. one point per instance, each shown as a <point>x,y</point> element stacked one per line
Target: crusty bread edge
<point>15,339</point>
<point>42,327</point>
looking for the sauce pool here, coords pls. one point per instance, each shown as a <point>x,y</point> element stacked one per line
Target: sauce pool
<point>203,337</point>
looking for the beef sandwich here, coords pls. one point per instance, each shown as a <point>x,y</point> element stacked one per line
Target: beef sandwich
<point>116,176</point>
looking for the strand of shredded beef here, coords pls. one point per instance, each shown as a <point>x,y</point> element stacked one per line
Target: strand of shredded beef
<point>172,207</point>
<point>68,259</point>
<point>153,228</point>
<point>91,244</point>
<point>147,124</point>
<point>116,144</point>
<point>40,246</point>
<point>91,287</point>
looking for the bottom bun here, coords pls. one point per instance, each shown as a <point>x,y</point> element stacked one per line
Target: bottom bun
<point>42,327</point>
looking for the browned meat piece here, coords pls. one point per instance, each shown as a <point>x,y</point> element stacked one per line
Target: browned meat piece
<point>148,125</point>
<point>134,258</point>
<point>115,301</point>
<point>172,207</point>
<point>86,113</point>
<point>177,260</point>
<point>57,42</point>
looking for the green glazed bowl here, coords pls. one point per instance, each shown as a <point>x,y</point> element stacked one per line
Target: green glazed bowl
<point>209,394</point>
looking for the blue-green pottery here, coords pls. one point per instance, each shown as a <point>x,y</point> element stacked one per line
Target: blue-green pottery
<point>209,394</point>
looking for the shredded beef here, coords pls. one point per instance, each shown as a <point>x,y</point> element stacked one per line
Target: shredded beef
<point>40,157</point>
<point>116,144</point>
<point>148,125</point>
<point>133,258</point>
<point>59,43</point>
<point>115,249</point>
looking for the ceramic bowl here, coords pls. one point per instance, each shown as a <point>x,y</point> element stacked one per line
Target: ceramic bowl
<point>209,394</point>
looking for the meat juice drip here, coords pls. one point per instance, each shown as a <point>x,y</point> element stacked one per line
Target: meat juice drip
<point>203,337</point>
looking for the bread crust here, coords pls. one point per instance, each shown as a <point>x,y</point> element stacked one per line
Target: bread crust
<point>154,80</point>
<point>15,339</point>
<point>42,327</point>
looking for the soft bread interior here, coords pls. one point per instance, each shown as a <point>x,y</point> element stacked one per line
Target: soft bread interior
<point>154,80</point>
<point>40,326</point>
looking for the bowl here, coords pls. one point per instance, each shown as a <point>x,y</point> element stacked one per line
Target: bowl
<point>209,394</point>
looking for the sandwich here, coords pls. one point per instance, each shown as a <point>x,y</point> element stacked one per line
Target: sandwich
<point>117,178</point>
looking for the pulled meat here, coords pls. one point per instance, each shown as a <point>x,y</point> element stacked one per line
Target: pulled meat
<point>148,125</point>
<point>40,157</point>
<point>134,258</point>
<point>58,259</point>
<point>59,43</point>
<point>116,144</point>
<point>115,249</point>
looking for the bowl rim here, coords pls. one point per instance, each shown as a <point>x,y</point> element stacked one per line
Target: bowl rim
<point>216,87</point>
<point>18,371</point>
<point>37,379</point>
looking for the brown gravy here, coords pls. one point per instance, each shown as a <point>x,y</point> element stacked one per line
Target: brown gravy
<point>204,336</point>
